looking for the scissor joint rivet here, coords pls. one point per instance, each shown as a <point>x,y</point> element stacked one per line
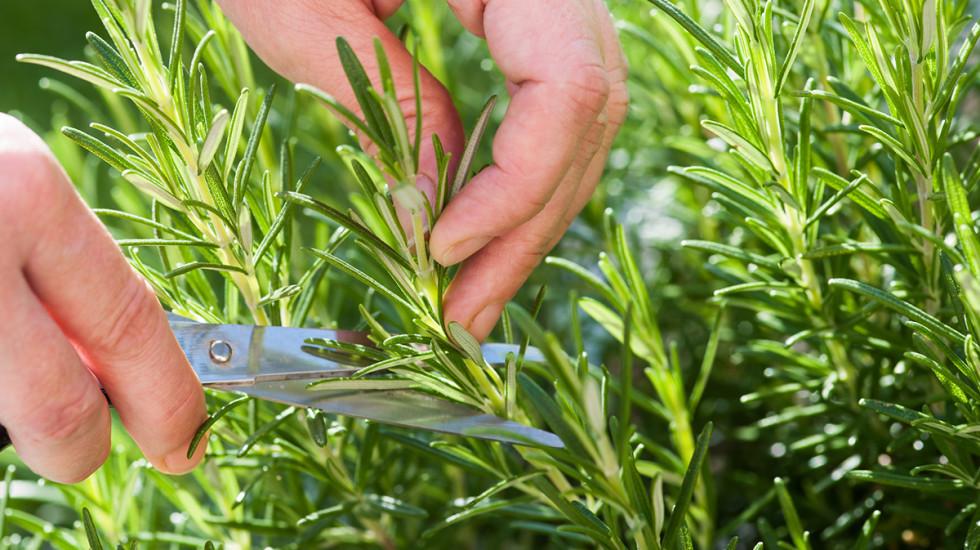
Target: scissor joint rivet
<point>220,351</point>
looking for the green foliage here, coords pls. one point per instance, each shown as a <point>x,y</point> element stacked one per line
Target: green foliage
<point>795,362</point>
<point>850,240</point>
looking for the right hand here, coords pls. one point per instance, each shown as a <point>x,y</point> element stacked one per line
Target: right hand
<point>566,76</point>
<point>74,315</point>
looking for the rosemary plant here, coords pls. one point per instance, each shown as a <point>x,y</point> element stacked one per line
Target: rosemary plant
<point>845,193</point>
<point>210,214</point>
<point>802,373</point>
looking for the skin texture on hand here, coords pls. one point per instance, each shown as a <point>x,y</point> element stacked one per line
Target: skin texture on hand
<point>76,315</point>
<point>567,79</point>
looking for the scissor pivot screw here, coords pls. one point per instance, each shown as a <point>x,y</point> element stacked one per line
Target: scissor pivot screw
<point>220,351</point>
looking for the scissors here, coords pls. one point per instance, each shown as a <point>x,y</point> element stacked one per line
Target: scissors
<point>279,363</point>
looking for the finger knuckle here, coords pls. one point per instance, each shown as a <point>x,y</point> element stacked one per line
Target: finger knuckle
<point>524,191</point>
<point>532,249</point>
<point>618,105</point>
<point>132,327</point>
<point>587,89</point>
<point>592,141</point>
<point>537,198</point>
<point>532,199</point>
<point>73,414</point>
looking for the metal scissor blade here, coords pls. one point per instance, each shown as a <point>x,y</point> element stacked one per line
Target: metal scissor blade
<point>405,408</point>
<point>246,354</point>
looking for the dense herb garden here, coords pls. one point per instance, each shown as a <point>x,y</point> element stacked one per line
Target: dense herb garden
<point>763,329</point>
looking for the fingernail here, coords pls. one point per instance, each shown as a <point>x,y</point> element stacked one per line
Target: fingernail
<point>460,250</point>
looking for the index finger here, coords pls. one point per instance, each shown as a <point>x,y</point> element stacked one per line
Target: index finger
<point>549,51</point>
<point>102,305</point>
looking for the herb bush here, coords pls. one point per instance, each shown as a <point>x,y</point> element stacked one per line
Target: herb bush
<point>774,341</point>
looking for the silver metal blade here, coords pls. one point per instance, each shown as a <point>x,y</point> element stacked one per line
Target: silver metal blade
<point>405,408</point>
<point>245,354</point>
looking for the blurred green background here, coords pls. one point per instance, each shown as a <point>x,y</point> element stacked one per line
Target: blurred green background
<point>54,27</point>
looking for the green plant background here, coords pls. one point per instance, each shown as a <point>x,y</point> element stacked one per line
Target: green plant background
<point>778,410</point>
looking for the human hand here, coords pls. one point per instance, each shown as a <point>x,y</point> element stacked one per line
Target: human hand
<point>567,79</point>
<point>75,315</point>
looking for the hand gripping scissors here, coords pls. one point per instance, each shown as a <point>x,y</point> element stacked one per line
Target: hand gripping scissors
<point>279,363</point>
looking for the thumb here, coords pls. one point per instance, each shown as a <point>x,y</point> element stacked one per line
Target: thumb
<point>299,56</point>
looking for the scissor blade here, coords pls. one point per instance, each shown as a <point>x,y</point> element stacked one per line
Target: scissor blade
<point>246,354</point>
<point>405,408</point>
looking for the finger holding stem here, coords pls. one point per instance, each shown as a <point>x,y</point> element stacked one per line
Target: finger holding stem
<point>549,153</point>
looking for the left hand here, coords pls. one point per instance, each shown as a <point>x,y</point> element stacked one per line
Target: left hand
<point>567,78</point>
